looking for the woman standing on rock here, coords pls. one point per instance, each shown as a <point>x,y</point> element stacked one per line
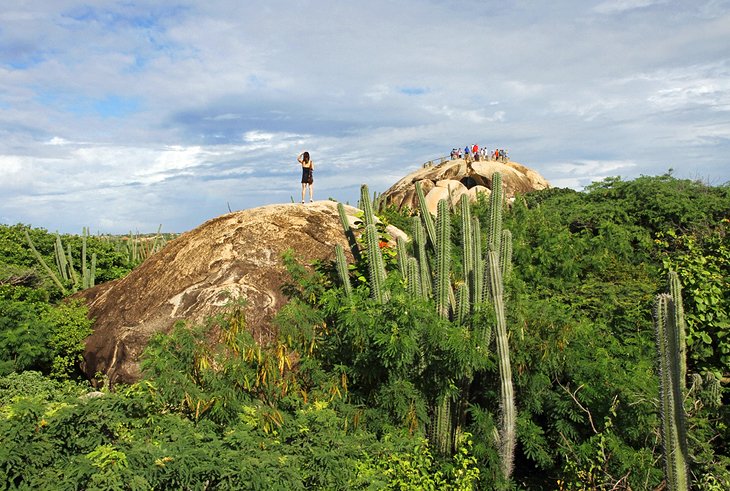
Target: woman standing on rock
<point>307,177</point>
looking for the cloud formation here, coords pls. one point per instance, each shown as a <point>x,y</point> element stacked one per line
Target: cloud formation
<point>122,116</point>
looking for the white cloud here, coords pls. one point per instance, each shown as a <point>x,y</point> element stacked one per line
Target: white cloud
<point>617,6</point>
<point>114,114</point>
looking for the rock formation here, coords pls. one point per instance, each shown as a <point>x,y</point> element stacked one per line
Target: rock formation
<point>457,177</point>
<point>239,253</point>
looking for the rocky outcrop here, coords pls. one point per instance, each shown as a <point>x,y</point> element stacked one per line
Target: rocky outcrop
<point>237,254</point>
<point>456,177</point>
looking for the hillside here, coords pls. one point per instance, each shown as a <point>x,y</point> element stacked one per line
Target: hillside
<point>397,383</point>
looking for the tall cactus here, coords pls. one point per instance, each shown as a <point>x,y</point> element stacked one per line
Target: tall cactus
<point>508,416</point>
<point>496,203</point>
<point>343,271</point>
<point>675,290</point>
<point>376,264</point>
<point>483,280</point>
<point>476,281</point>
<point>442,427</point>
<point>426,215</point>
<point>505,253</point>
<point>48,270</point>
<point>366,205</point>
<point>462,303</point>
<point>402,256</point>
<point>61,259</point>
<point>413,282</point>
<point>443,259</point>
<point>673,425</point>
<point>419,238</point>
<point>349,234</point>
<point>467,241</point>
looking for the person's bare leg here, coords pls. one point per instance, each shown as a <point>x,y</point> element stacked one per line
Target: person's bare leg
<point>304,188</point>
<point>311,192</point>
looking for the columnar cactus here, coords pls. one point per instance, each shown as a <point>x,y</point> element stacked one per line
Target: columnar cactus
<point>505,253</point>
<point>376,264</point>
<point>442,427</point>
<point>483,280</point>
<point>443,259</point>
<point>349,234</point>
<point>343,270</point>
<point>467,241</point>
<point>48,270</point>
<point>462,303</point>
<point>413,282</point>
<point>496,203</point>
<point>675,290</point>
<point>366,205</point>
<point>508,416</point>
<point>673,425</point>
<point>476,281</point>
<point>401,256</point>
<point>426,215</point>
<point>419,238</point>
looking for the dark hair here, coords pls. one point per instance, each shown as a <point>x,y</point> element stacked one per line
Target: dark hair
<point>305,157</point>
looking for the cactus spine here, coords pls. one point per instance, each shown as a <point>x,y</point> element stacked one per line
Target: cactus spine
<point>668,323</point>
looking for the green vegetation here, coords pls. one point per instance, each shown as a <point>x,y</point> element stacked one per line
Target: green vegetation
<point>392,372</point>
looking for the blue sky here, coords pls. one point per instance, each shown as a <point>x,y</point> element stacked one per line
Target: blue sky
<point>124,115</point>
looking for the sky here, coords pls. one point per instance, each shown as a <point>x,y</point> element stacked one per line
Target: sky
<point>130,115</point>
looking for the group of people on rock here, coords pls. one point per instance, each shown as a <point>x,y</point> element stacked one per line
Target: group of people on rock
<point>474,154</point>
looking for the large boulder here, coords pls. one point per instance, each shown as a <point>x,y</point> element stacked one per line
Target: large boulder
<point>237,254</point>
<point>457,177</point>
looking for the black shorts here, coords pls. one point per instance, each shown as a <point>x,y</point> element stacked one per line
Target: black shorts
<point>307,177</point>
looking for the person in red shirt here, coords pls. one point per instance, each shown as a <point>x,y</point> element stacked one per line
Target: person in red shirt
<point>475,151</point>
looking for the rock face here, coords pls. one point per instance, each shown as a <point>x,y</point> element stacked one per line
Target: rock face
<point>457,177</point>
<point>189,279</point>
